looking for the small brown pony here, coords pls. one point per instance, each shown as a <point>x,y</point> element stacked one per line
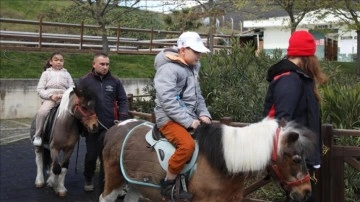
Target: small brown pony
<point>227,155</point>
<point>76,112</point>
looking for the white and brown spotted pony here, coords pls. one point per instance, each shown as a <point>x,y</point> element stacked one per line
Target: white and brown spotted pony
<point>226,156</point>
<point>76,112</point>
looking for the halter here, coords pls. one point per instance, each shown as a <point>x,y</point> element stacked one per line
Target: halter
<point>83,113</point>
<point>274,170</point>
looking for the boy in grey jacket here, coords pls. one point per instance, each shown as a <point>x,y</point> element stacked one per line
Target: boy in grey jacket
<point>179,103</point>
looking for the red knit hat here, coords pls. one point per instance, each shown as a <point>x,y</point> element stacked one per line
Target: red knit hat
<point>301,43</point>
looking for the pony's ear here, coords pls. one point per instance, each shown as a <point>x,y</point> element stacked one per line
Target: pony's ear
<point>77,90</point>
<point>282,122</point>
<point>292,137</point>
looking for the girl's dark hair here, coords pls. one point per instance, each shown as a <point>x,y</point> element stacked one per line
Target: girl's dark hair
<point>47,65</point>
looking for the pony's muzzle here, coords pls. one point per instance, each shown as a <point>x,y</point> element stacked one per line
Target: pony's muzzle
<point>94,128</point>
<point>296,196</point>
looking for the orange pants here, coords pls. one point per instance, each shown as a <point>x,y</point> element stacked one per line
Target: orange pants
<point>183,142</point>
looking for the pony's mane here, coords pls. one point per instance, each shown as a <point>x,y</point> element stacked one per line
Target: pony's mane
<point>234,150</point>
<point>249,148</point>
<point>65,101</point>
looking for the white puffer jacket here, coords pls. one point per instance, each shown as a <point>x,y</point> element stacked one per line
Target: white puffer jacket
<point>54,82</point>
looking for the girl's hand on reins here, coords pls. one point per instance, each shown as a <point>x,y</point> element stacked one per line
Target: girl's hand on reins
<point>56,97</point>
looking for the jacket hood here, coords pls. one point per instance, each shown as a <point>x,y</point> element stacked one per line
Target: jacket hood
<point>282,66</point>
<point>167,56</point>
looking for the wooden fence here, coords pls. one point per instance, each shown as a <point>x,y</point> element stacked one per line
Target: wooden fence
<point>73,38</point>
<point>332,181</point>
<point>331,185</point>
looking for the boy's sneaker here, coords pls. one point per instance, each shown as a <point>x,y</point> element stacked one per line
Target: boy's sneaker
<point>89,186</point>
<point>37,141</point>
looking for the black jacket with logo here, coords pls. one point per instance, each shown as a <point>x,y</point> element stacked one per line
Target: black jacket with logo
<point>111,99</point>
<point>290,95</point>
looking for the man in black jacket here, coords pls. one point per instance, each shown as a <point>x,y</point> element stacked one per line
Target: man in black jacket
<point>111,104</point>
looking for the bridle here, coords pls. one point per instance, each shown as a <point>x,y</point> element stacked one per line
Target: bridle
<point>274,171</point>
<point>78,109</point>
<point>84,114</point>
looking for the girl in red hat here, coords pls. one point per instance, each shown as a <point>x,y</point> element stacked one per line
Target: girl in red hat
<point>293,92</point>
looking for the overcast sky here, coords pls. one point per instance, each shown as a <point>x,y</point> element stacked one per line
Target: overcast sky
<point>162,6</point>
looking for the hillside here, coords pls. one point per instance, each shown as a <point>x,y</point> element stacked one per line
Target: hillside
<point>66,11</point>
<point>30,10</point>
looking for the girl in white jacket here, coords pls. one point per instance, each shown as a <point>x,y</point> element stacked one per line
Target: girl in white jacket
<point>52,84</point>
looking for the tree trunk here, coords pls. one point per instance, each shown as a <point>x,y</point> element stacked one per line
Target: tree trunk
<point>358,53</point>
<point>105,42</point>
<point>212,29</point>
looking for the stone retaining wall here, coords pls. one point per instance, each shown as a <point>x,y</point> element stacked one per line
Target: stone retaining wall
<point>19,99</point>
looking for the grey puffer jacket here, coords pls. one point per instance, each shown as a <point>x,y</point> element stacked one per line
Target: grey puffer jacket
<point>178,94</point>
<point>53,82</point>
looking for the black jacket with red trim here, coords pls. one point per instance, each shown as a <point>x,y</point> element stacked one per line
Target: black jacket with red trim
<point>111,99</point>
<point>290,95</point>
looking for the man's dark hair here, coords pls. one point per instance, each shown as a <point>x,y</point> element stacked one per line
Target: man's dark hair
<point>98,54</point>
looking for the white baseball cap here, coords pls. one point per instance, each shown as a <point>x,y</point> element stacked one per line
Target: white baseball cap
<point>192,40</point>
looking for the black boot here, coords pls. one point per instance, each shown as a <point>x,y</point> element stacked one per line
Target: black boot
<point>168,190</point>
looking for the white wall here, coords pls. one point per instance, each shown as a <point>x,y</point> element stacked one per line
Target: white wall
<point>276,37</point>
<point>347,42</point>
<point>276,34</point>
<point>19,98</point>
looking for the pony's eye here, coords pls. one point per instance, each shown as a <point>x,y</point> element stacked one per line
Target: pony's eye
<point>296,159</point>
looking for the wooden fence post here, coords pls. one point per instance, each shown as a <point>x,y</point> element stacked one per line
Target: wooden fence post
<point>81,35</point>
<point>130,101</point>
<point>226,120</point>
<point>117,38</point>
<point>153,118</point>
<point>40,31</point>
<point>325,184</point>
<point>151,39</point>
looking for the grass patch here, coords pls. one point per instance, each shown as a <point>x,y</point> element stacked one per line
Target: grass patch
<point>29,65</point>
<point>30,10</point>
<point>15,64</point>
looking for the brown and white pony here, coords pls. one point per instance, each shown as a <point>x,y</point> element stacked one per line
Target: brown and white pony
<point>227,155</point>
<point>75,113</point>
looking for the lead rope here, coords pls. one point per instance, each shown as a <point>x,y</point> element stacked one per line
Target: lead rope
<point>77,155</point>
<point>101,124</point>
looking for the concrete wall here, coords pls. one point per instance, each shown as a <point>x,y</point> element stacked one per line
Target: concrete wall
<point>19,99</point>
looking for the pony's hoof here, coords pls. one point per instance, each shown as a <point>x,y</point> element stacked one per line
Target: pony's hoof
<point>62,194</point>
<point>40,185</point>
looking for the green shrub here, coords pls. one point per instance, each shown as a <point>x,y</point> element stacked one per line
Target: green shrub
<point>233,82</point>
<point>341,105</point>
<point>341,108</point>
